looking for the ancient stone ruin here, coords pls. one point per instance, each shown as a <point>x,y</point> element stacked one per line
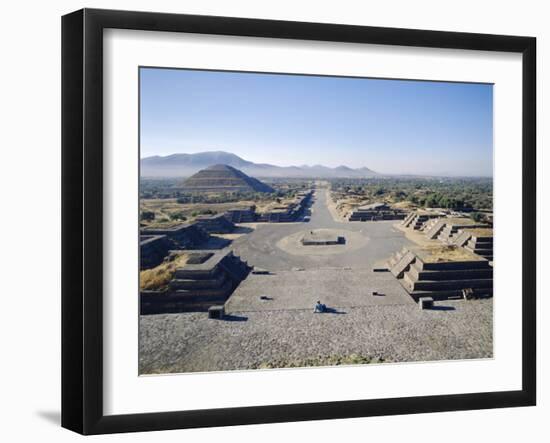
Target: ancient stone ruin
<point>288,212</point>
<point>206,280</point>
<point>375,212</point>
<point>322,237</point>
<point>476,240</point>
<point>445,228</point>
<point>277,213</point>
<point>215,224</point>
<point>416,219</point>
<point>155,243</point>
<point>442,273</point>
<point>241,215</point>
<point>153,249</point>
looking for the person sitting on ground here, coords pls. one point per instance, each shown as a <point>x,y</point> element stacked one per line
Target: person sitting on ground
<point>319,307</point>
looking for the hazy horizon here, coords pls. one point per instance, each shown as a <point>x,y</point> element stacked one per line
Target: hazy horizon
<point>389,126</point>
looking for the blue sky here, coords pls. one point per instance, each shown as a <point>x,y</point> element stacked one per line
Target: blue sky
<point>390,126</point>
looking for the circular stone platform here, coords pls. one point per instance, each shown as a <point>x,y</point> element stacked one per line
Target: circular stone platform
<point>344,241</point>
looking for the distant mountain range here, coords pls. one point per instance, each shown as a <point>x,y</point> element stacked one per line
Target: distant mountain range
<point>185,165</point>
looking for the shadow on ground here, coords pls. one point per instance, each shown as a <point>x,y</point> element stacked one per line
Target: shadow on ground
<point>331,311</point>
<point>53,417</point>
<point>231,317</point>
<point>242,230</point>
<point>442,308</point>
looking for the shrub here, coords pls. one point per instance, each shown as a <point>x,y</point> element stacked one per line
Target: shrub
<point>477,216</point>
<point>179,216</point>
<point>147,216</point>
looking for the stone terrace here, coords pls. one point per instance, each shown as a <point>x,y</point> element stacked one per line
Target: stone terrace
<point>336,287</point>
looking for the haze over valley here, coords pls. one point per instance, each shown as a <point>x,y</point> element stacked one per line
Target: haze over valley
<point>185,165</point>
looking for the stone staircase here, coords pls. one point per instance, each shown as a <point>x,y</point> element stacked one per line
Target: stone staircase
<point>429,224</point>
<point>183,236</point>
<point>449,232</point>
<point>215,224</point>
<point>416,221</point>
<point>400,262</point>
<point>433,231</point>
<point>197,286</point>
<point>443,279</point>
<point>241,215</point>
<point>481,244</point>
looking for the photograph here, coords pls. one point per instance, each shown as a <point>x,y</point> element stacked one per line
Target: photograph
<point>292,221</point>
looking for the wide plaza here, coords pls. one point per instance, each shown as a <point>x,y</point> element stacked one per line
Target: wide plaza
<point>270,321</point>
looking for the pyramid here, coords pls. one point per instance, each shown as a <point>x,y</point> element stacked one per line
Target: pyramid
<point>223,178</point>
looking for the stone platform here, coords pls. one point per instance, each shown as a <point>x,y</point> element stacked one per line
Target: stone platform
<point>199,284</point>
<point>338,288</point>
<point>322,237</point>
<point>422,273</point>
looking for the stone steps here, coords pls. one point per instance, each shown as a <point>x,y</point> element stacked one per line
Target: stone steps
<point>435,229</point>
<point>407,220</point>
<point>429,224</point>
<point>396,257</point>
<point>485,253</point>
<point>441,280</point>
<point>452,274</point>
<point>196,274</point>
<point>442,285</point>
<point>417,221</point>
<point>217,224</point>
<point>462,238</point>
<point>454,265</point>
<point>197,286</point>
<point>180,283</point>
<point>402,265</point>
<point>450,294</point>
<point>173,304</point>
<point>222,291</point>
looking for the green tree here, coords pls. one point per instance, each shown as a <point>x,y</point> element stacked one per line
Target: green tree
<point>147,216</point>
<point>477,216</point>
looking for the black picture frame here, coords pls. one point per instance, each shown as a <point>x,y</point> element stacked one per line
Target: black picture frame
<point>82,215</point>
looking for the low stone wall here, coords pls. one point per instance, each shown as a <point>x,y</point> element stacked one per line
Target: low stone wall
<point>290,214</point>
<point>313,238</point>
<point>241,215</point>
<point>376,215</point>
<point>184,236</point>
<point>215,224</point>
<point>153,249</point>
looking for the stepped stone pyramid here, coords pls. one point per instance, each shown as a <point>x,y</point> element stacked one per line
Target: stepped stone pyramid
<point>416,219</point>
<point>223,178</point>
<point>445,228</point>
<point>207,279</point>
<point>479,241</point>
<point>429,224</point>
<point>441,273</point>
<point>156,242</point>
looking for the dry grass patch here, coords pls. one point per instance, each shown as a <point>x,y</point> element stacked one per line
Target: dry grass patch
<point>481,232</point>
<point>404,205</point>
<point>438,254</point>
<point>157,278</point>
